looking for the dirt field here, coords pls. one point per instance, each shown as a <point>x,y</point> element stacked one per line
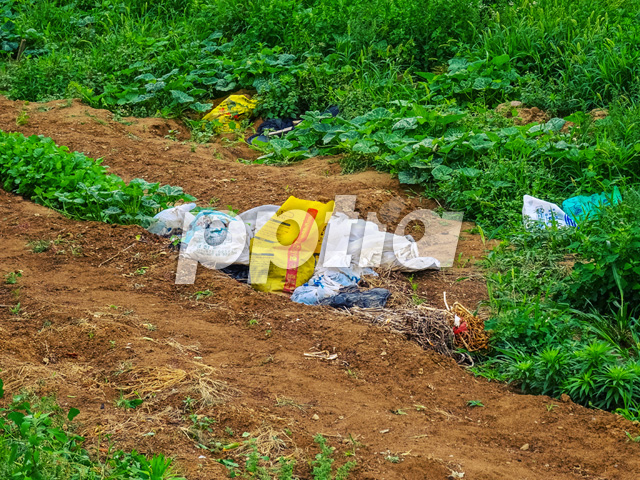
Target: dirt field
<point>90,326</point>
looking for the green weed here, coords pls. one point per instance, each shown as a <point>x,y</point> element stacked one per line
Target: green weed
<point>11,278</point>
<point>127,403</point>
<point>39,246</point>
<point>36,441</point>
<point>202,294</point>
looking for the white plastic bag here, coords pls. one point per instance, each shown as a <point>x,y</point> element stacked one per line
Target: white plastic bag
<point>170,221</point>
<point>216,240</point>
<point>357,243</point>
<point>537,213</point>
<point>257,217</point>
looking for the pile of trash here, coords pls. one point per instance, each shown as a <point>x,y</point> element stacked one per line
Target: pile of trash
<point>234,108</point>
<point>538,213</point>
<point>238,106</point>
<point>314,252</point>
<point>302,247</point>
<point>320,256</point>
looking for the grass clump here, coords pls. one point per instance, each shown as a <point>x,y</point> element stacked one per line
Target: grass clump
<point>76,185</point>
<point>36,442</point>
<point>261,467</point>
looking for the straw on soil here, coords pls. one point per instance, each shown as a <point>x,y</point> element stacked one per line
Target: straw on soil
<point>148,381</point>
<point>269,442</point>
<point>429,327</point>
<point>475,337</point>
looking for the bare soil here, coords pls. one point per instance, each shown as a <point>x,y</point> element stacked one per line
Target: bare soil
<point>100,314</point>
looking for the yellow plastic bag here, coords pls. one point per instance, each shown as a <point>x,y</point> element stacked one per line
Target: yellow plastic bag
<point>284,251</point>
<point>232,108</point>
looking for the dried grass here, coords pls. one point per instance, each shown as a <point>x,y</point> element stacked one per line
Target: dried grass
<point>137,423</point>
<point>475,337</point>
<point>31,377</point>
<point>396,282</point>
<point>270,443</point>
<point>160,382</point>
<point>184,349</point>
<point>429,327</point>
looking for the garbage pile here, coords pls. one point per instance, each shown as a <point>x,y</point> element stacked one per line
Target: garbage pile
<point>302,247</point>
<point>538,213</point>
<point>240,106</point>
<point>315,253</point>
<point>234,108</point>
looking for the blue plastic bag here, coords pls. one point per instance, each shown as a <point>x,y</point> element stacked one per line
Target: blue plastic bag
<point>584,207</point>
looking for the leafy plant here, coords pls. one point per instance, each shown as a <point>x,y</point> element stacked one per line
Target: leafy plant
<point>36,442</point>
<point>127,403</point>
<point>609,265</point>
<point>39,246</point>
<point>322,465</point>
<point>76,185</point>
<point>11,278</point>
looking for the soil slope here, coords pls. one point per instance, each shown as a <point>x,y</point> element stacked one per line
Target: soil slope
<point>100,313</point>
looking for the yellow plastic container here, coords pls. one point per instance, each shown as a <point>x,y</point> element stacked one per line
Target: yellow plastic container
<point>284,251</point>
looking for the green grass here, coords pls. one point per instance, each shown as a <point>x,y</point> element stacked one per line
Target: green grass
<point>261,467</point>
<point>37,442</point>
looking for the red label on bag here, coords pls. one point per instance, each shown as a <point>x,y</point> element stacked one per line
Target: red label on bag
<point>293,253</point>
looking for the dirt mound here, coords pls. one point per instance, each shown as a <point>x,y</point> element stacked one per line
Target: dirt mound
<point>521,114</point>
<point>100,315</point>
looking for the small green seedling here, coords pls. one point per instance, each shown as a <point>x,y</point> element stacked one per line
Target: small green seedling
<point>417,300</point>
<point>352,373</point>
<point>39,246</point>
<point>356,444</point>
<point>11,278</point>
<point>23,118</point>
<point>126,403</point>
<point>200,422</point>
<point>202,294</point>
<point>414,285</point>
<point>189,403</point>
<point>173,135</point>
<point>475,403</point>
<point>632,438</point>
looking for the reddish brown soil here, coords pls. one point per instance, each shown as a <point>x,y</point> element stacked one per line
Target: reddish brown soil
<point>521,114</point>
<point>89,326</point>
